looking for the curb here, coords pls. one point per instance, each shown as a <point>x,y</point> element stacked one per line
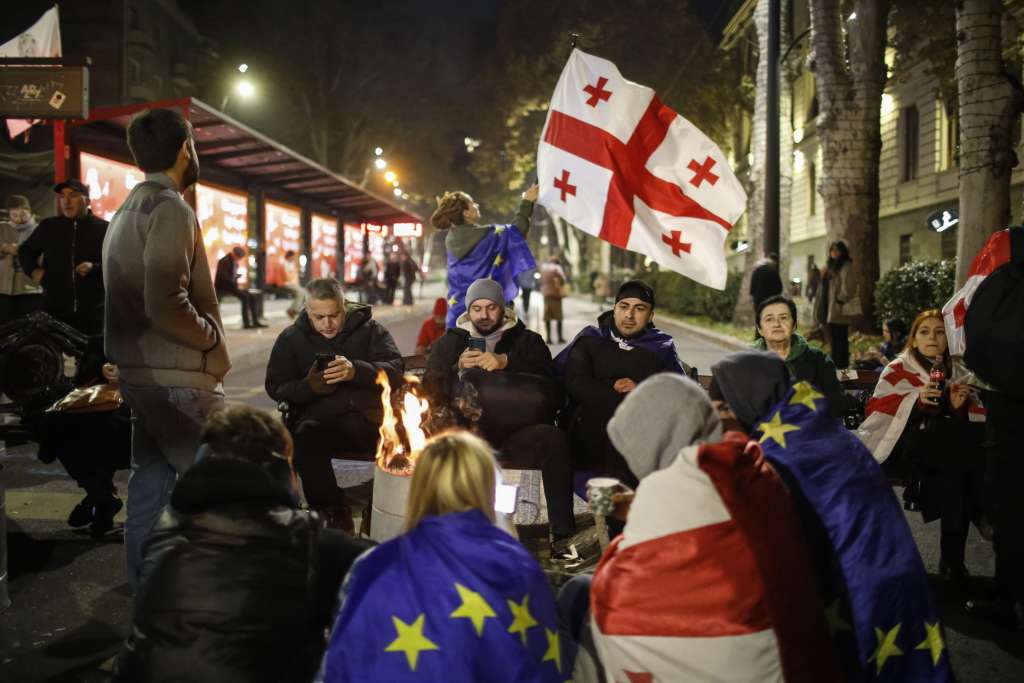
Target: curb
<point>718,338</point>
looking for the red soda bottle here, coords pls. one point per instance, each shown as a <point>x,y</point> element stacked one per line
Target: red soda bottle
<point>938,375</point>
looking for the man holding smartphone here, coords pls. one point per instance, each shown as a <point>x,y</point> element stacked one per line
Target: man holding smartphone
<point>324,366</point>
<point>512,370</point>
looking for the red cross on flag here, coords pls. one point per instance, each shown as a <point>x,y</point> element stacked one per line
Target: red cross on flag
<point>995,253</point>
<point>620,165</point>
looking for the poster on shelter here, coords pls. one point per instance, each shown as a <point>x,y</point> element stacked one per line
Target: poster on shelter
<point>224,217</point>
<point>282,233</point>
<point>324,238</point>
<point>353,252</point>
<point>109,183</point>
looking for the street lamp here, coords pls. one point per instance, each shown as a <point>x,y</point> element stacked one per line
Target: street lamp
<point>380,164</point>
<point>377,151</point>
<point>397,192</point>
<point>390,176</point>
<point>243,87</point>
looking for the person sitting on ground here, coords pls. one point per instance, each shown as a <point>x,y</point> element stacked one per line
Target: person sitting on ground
<point>237,583</point>
<point>699,585</point>
<point>510,367</point>
<point>432,328</point>
<point>226,284</point>
<point>455,598</point>
<point>894,334</point>
<point>776,332</point>
<point>927,424</point>
<point>602,364</point>
<point>868,567</point>
<point>325,366</point>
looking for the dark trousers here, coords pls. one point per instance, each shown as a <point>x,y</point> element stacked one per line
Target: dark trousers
<point>546,448</point>
<point>17,306</point>
<point>389,292</point>
<point>407,299</point>
<point>1004,505</point>
<point>526,299</point>
<point>248,303</point>
<point>960,495</point>
<point>318,441</point>
<point>840,345</point>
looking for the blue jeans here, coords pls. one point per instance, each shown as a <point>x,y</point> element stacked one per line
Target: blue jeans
<point>165,437</point>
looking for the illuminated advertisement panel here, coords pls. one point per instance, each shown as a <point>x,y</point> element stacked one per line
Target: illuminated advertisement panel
<point>407,229</point>
<point>324,236</point>
<point>224,217</point>
<point>353,251</point>
<point>282,233</point>
<point>109,183</point>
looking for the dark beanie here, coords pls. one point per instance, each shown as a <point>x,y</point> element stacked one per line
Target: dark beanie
<point>636,289</point>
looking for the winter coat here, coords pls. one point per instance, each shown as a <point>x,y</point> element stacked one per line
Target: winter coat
<point>63,243</point>
<point>226,277</point>
<point>841,291</point>
<point>811,365</point>
<point>364,341</point>
<point>14,281</point>
<point>552,277</point>
<point>229,584</point>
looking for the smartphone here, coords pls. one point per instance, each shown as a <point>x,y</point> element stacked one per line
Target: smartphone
<point>323,360</point>
<point>505,498</point>
<point>478,344</point>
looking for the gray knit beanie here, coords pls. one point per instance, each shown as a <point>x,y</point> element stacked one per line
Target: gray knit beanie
<point>485,288</point>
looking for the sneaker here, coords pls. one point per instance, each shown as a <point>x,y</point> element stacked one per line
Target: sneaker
<point>82,514</point>
<point>260,323</point>
<point>103,520</point>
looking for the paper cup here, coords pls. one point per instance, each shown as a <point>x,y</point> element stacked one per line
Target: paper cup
<point>599,493</point>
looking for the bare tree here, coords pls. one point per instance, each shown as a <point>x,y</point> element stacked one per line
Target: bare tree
<point>848,59</point>
<point>744,312</point>
<point>991,99</point>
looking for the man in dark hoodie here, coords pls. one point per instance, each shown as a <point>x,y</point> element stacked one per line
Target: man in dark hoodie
<point>334,405</point>
<point>602,365</point>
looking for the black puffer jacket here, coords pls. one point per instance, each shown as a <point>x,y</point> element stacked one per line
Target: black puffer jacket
<point>228,586</point>
<point>362,340</point>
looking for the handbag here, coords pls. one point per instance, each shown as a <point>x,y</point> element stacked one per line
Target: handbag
<point>851,307</point>
<point>565,290</point>
<point>98,398</point>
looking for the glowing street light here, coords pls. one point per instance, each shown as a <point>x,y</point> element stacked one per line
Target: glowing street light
<point>394,183</point>
<point>378,151</point>
<point>380,164</point>
<point>397,192</point>
<point>245,88</point>
<point>390,176</point>
<point>242,68</point>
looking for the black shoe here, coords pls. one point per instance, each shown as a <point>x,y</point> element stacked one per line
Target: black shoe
<point>957,573</point>
<point>248,327</point>
<point>561,341</point>
<point>106,510</point>
<point>259,323</point>
<point>82,514</point>
<point>549,342</point>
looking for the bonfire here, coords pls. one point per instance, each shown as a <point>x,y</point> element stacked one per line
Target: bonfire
<point>402,435</point>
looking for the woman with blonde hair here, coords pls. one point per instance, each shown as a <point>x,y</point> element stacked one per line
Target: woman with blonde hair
<point>498,252</point>
<point>454,597</point>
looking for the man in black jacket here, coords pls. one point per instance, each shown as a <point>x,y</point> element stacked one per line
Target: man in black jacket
<point>512,370</point>
<point>334,405</point>
<point>226,284</point>
<point>71,247</point>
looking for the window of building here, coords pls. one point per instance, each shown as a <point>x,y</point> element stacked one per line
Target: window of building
<point>949,144</point>
<point>812,189</point>
<point>948,243</point>
<point>134,71</point>
<point>905,249</point>
<point>910,128</point>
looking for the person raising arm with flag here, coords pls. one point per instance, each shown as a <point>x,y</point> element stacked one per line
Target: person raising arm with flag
<point>482,251</point>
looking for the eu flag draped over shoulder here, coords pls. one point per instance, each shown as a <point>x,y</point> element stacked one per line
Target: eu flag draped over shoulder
<point>501,255</point>
<point>455,600</point>
<point>883,600</point>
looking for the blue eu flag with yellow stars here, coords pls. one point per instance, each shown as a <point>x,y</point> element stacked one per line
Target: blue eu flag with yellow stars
<point>456,599</point>
<point>881,611</point>
<point>501,255</point>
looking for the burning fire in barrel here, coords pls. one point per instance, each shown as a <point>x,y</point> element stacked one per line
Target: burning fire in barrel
<point>402,437</point>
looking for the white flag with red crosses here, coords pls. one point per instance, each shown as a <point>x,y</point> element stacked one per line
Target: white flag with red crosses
<point>620,165</point>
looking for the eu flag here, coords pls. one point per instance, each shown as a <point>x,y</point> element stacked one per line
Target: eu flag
<point>501,255</point>
<point>882,610</point>
<point>455,600</point>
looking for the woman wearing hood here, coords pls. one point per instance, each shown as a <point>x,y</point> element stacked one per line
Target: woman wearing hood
<point>694,587</point>
<point>776,332</point>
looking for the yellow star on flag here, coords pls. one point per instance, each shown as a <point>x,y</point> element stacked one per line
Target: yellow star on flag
<point>454,300</point>
<point>522,620</point>
<point>497,260</point>
<point>474,607</point>
<point>775,430</point>
<point>933,641</point>
<point>886,647</point>
<point>410,640</point>
<point>835,621</point>
<point>498,229</point>
<point>805,394</point>
<point>554,653</point>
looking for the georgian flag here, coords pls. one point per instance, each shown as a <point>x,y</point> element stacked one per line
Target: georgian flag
<point>995,253</point>
<point>620,165</point>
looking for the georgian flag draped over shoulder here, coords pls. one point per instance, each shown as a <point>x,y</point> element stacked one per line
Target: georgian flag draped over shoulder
<point>995,253</point>
<point>620,165</point>
<point>42,39</point>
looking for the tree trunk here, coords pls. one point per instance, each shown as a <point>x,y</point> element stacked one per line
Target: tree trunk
<point>989,104</point>
<point>744,311</point>
<point>850,70</point>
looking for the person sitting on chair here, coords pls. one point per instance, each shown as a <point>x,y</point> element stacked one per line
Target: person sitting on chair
<point>226,284</point>
<point>510,366</point>
<point>324,366</point>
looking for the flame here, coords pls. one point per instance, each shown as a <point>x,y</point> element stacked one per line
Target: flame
<point>396,454</point>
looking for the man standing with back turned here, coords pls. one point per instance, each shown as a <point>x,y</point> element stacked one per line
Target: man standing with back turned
<point>162,327</point>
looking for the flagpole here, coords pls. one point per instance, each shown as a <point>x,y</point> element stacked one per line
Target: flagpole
<point>771,171</point>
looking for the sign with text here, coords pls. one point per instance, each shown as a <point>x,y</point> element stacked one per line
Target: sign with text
<point>282,226</point>
<point>324,247</point>
<point>224,217</point>
<point>44,92</point>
